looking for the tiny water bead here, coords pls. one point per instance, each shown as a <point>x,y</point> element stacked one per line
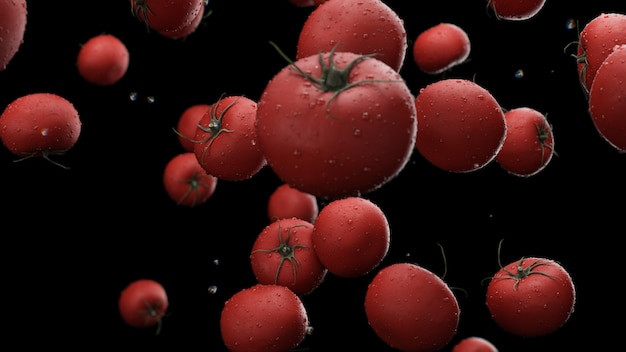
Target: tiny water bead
<point>212,289</point>
<point>519,74</point>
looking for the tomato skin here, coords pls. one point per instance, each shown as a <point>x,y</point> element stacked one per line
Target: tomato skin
<point>39,124</point>
<point>186,182</point>
<point>441,47</point>
<point>185,30</point>
<point>360,27</point>
<point>103,60</point>
<point>143,303</point>
<point>607,99</point>
<point>531,297</point>
<point>411,309</point>
<point>187,125</point>
<point>13,18</point>
<point>269,318</point>
<point>166,15</point>
<point>333,147</point>
<point>529,143</point>
<point>351,236</point>
<point>474,344</point>
<point>596,41</point>
<point>283,254</point>
<point>462,126</point>
<point>289,202</point>
<point>518,10</point>
<point>226,141</point>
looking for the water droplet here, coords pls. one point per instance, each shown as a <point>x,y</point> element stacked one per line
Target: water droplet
<point>212,289</point>
<point>570,23</point>
<point>150,99</point>
<point>519,73</point>
<point>132,96</point>
<point>44,132</point>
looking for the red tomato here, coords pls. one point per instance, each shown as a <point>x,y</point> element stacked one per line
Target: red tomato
<point>474,344</point>
<point>289,202</point>
<point>441,47</point>
<point>462,126</point>
<point>143,304</point>
<point>283,254</point>
<point>187,29</point>
<point>268,318</point>
<point>351,236</point>
<point>357,26</point>
<point>335,139</point>
<point>188,125</point>
<point>226,141</point>
<point>531,297</point>
<point>607,99</point>
<point>40,125</point>
<point>529,143</point>
<point>186,182</point>
<point>166,15</point>
<point>13,15</point>
<point>411,309</point>
<point>103,60</point>
<point>596,41</point>
<point>517,10</point>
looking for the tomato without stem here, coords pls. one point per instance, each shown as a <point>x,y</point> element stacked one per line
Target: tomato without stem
<point>474,344</point>
<point>187,125</point>
<point>357,26</point>
<point>143,304</point>
<point>13,16</point>
<point>103,60</point>
<point>517,10</point>
<point>186,182</point>
<point>351,236</point>
<point>531,297</point>
<point>289,202</point>
<point>268,318</point>
<point>336,124</point>
<point>283,254</point>
<point>441,47</point>
<point>166,15</point>
<point>187,29</point>
<point>411,308</point>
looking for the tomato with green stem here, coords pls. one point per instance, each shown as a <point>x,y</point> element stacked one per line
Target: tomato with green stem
<point>143,303</point>
<point>166,15</point>
<point>283,254</point>
<point>186,182</point>
<point>187,125</point>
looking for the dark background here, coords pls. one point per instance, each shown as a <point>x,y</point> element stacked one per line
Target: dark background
<point>73,239</point>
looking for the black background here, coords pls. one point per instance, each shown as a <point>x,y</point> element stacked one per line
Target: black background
<point>74,238</point>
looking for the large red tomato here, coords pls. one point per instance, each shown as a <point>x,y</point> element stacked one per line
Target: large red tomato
<point>103,60</point>
<point>225,141</point>
<point>268,318</point>
<point>166,15</point>
<point>40,125</point>
<point>596,41</point>
<point>357,26</point>
<point>143,304</point>
<point>531,297</point>
<point>13,15</point>
<point>336,124</point>
<point>461,125</point>
<point>607,99</point>
<point>283,254</point>
<point>411,308</point>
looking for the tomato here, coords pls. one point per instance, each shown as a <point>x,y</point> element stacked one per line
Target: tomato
<point>268,318</point>
<point>283,254</point>
<point>411,309</point>
<point>40,125</point>
<point>187,29</point>
<point>226,141</point>
<point>289,202</point>
<point>13,14</point>
<point>186,182</point>
<point>531,297</point>
<point>529,143</point>
<point>596,41</point>
<point>517,10</point>
<point>166,15</point>
<point>103,60</point>
<point>143,304</point>
<point>351,236</point>
<point>336,124</point>
<point>607,99</point>
<point>462,126</point>
<point>474,344</point>
<point>357,26</point>
<point>187,125</point>
<point>441,47</point>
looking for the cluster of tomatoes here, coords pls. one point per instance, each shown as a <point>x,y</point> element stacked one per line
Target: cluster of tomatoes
<point>455,124</point>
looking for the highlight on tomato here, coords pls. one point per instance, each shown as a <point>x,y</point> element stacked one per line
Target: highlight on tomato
<point>186,182</point>
<point>143,303</point>
<point>462,125</point>
<point>103,60</point>
<point>440,48</point>
<point>289,202</point>
<point>518,10</point>
<point>13,16</point>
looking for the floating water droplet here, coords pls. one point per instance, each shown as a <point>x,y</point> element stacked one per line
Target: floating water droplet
<point>519,73</point>
<point>570,23</point>
<point>133,96</point>
<point>150,99</point>
<point>212,289</point>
